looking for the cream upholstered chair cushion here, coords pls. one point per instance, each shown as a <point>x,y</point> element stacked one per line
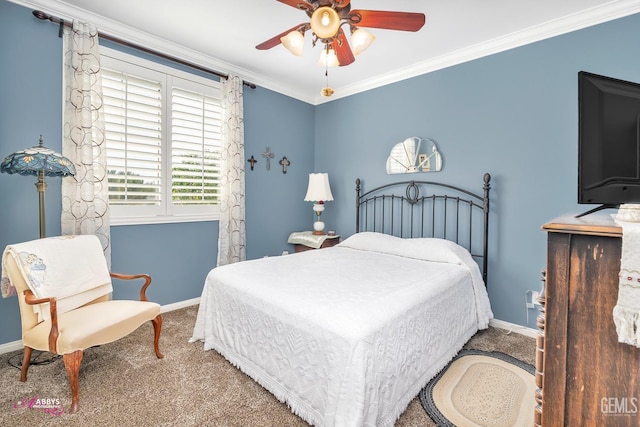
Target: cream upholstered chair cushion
<point>91,325</point>
<point>98,322</point>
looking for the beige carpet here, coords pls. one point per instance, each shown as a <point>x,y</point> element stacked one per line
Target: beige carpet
<point>123,384</point>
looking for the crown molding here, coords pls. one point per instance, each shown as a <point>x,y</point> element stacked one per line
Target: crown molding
<point>577,21</point>
<point>587,18</point>
<point>116,29</point>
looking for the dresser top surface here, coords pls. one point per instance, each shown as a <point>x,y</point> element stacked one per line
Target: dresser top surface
<point>598,224</point>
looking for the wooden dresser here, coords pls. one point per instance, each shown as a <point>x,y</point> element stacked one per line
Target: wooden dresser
<point>586,377</point>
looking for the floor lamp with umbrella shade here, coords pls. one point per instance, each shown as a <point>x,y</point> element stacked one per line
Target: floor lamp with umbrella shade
<point>39,161</point>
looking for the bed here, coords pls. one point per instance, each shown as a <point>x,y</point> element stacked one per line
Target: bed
<point>349,335</point>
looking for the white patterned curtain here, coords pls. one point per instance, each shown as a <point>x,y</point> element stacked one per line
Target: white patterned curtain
<point>85,207</point>
<point>232,237</point>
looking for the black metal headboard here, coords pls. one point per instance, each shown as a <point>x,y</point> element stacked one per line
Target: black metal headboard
<point>445,211</point>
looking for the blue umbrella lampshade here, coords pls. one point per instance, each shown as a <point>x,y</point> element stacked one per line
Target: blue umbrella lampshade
<point>39,161</point>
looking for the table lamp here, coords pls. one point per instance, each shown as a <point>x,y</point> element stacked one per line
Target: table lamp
<point>319,192</point>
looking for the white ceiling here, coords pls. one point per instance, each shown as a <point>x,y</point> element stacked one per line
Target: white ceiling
<point>222,35</point>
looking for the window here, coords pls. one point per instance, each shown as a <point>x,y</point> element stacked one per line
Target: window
<point>163,141</point>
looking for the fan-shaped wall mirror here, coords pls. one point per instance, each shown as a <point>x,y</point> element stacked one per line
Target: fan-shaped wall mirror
<point>414,154</point>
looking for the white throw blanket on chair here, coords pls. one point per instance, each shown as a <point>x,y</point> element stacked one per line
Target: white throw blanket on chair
<point>626,313</point>
<point>71,268</point>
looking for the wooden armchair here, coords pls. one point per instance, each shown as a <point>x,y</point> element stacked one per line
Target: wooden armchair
<point>97,322</point>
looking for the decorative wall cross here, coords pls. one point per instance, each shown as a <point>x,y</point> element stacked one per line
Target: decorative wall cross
<point>284,162</point>
<point>252,161</point>
<point>268,155</point>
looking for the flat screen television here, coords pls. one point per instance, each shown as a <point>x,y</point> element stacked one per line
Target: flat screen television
<point>609,141</point>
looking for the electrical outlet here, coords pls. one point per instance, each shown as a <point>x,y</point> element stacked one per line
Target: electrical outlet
<point>531,299</point>
<point>534,298</point>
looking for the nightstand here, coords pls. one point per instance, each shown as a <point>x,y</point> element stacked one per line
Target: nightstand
<point>305,240</point>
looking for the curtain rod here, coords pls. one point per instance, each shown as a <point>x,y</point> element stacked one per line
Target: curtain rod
<point>46,17</point>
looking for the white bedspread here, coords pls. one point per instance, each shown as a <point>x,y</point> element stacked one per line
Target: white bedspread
<point>346,336</point>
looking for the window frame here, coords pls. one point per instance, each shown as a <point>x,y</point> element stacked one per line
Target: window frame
<point>166,212</point>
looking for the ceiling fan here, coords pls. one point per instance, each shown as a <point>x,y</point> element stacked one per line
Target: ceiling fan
<point>326,20</point>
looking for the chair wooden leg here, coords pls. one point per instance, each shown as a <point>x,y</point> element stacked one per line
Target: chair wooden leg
<point>26,361</point>
<point>72,364</point>
<point>157,327</point>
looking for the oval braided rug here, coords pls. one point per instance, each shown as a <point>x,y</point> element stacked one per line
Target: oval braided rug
<point>480,388</point>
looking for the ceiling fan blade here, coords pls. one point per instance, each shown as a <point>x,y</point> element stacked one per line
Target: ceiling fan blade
<point>298,4</point>
<point>343,51</point>
<point>403,21</point>
<point>275,41</point>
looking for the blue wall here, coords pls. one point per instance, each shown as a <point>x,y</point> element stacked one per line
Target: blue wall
<point>512,114</point>
<point>178,256</point>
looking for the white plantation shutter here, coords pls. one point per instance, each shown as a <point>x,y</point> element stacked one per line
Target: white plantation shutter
<point>133,122</point>
<point>195,147</point>
<point>163,142</point>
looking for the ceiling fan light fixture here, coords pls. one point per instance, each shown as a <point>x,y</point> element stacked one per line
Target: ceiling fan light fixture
<point>328,58</point>
<point>325,22</point>
<point>293,42</point>
<point>361,40</point>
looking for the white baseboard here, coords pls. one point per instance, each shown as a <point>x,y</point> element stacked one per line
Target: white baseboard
<point>17,345</point>
<point>11,346</point>
<point>180,304</point>
<point>512,327</point>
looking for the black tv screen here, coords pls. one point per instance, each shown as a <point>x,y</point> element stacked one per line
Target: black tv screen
<point>609,140</point>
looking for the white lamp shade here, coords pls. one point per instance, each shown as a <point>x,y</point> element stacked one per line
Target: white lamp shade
<point>294,42</point>
<point>325,22</point>
<point>361,40</point>
<point>319,189</point>
<point>328,58</point>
